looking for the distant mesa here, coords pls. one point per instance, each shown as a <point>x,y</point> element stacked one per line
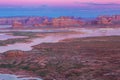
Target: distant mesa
<point>108,19</point>
<point>17,25</point>
<point>67,22</point>
<point>63,21</point>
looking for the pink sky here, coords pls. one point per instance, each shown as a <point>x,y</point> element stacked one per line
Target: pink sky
<point>53,2</point>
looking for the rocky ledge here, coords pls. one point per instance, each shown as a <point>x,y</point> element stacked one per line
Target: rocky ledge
<point>95,58</point>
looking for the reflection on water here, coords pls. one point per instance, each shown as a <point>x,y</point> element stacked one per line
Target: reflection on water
<point>5,26</point>
<point>27,46</point>
<point>57,37</point>
<point>14,77</point>
<point>4,36</point>
<point>37,30</point>
<point>51,39</point>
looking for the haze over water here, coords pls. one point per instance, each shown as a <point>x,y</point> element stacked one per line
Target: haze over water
<point>56,38</point>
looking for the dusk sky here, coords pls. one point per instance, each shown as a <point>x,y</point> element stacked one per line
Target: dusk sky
<point>55,8</point>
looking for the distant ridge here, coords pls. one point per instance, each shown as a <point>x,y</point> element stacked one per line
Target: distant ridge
<point>20,22</point>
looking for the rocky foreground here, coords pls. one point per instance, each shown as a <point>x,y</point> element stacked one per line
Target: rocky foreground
<point>95,58</point>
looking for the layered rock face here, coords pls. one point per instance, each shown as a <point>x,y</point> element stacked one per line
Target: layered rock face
<point>34,20</point>
<point>46,22</point>
<point>107,20</point>
<point>15,54</point>
<point>42,22</point>
<point>17,25</point>
<point>22,22</point>
<point>116,19</point>
<point>66,22</point>
<point>104,20</point>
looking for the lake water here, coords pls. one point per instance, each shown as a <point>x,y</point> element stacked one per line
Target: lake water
<point>51,39</point>
<point>4,36</point>
<point>5,26</point>
<point>57,37</point>
<point>14,77</point>
<point>37,30</point>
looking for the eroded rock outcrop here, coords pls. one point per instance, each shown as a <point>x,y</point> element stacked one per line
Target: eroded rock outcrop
<point>108,20</point>
<point>63,21</point>
<point>72,59</point>
<point>66,22</point>
<point>17,25</point>
<point>13,54</point>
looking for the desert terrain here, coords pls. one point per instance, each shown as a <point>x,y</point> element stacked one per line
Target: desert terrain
<point>75,54</point>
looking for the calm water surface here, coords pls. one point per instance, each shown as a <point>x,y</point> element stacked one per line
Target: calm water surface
<point>4,36</point>
<point>14,77</point>
<point>58,37</point>
<point>51,39</point>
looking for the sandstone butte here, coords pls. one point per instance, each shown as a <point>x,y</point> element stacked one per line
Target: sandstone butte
<point>63,21</point>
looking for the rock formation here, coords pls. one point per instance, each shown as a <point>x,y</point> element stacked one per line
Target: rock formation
<point>66,22</point>
<point>72,59</point>
<point>17,25</point>
<point>104,20</point>
<point>107,20</point>
<point>63,21</point>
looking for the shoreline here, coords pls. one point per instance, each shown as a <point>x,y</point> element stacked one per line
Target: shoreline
<point>49,53</point>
